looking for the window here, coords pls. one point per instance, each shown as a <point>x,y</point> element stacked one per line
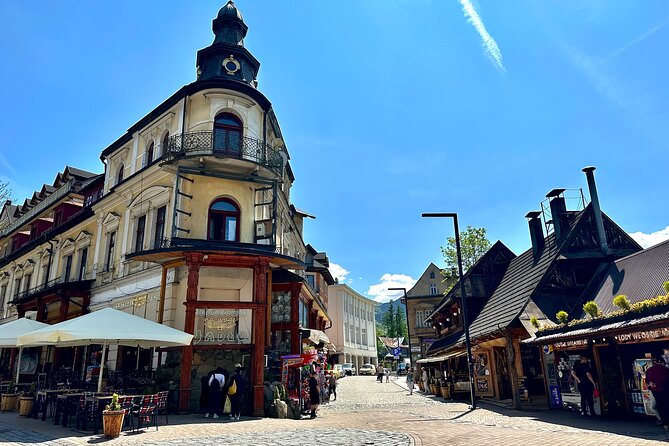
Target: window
<point>3,291</point>
<point>26,282</point>
<point>364,336</point>
<point>310,281</point>
<point>149,153</point>
<point>432,275</point>
<point>227,134</point>
<point>421,315</point>
<point>67,271</point>
<point>160,226</point>
<point>57,217</point>
<point>83,258</point>
<point>109,258</point>
<point>433,288</point>
<point>17,287</point>
<point>139,233</point>
<point>357,336</point>
<point>119,174</point>
<point>223,220</point>
<point>166,142</point>
<point>304,314</point>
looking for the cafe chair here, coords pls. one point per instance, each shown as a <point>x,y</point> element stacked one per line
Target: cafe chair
<point>86,411</point>
<point>145,410</point>
<point>161,407</point>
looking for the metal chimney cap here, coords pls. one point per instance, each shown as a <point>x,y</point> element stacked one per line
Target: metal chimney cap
<point>533,214</point>
<point>555,193</point>
<point>588,169</point>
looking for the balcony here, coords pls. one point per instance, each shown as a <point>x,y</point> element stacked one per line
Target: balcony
<point>205,143</point>
<point>57,287</point>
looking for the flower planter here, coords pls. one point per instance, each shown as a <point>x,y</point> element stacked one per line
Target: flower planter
<point>421,387</point>
<point>433,389</point>
<point>112,422</point>
<point>437,390</point>
<point>25,405</point>
<point>446,392</point>
<point>8,401</point>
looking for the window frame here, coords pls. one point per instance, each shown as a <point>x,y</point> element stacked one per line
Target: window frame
<point>111,246</point>
<point>159,226</point>
<point>150,149</point>
<point>83,260</point>
<point>224,214</point>
<point>227,129</point>
<point>140,233</point>
<point>120,172</point>
<point>67,268</point>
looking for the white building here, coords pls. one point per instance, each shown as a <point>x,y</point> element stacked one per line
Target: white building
<point>353,330</point>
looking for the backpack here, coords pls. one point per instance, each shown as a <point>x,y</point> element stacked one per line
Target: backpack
<point>215,384</point>
<point>233,387</point>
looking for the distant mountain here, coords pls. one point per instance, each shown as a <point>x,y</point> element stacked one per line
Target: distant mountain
<point>381,309</point>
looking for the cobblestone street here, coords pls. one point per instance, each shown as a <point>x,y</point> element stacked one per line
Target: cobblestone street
<point>366,413</point>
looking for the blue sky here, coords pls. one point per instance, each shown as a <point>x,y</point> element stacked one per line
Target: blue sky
<point>388,108</point>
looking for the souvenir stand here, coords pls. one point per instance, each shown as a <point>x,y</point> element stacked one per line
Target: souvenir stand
<point>295,372</point>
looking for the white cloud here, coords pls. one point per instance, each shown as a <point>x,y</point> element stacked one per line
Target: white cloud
<point>651,239</point>
<point>339,272</point>
<point>379,292</point>
<point>489,45</point>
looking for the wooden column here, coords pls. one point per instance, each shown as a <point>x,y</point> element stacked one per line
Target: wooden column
<point>193,263</point>
<point>295,339</point>
<point>161,307</point>
<point>513,373</point>
<point>260,291</point>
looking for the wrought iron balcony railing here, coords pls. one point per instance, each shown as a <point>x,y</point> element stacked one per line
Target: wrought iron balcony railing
<point>210,143</point>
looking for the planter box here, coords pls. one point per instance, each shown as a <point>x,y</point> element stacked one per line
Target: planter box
<point>112,423</point>
<point>25,405</point>
<point>446,392</point>
<point>433,389</point>
<point>8,401</point>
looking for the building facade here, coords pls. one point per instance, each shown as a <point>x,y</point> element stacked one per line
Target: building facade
<point>353,331</point>
<point>421,300</point>
<point>187,227</point>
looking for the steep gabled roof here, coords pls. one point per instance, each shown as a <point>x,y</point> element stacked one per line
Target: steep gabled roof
<point>638,276</point>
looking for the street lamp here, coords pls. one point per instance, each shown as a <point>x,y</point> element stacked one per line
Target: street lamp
<point>406,309</point>
<point>465,319</point>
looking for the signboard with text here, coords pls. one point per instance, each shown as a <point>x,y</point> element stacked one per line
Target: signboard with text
<point>222,326</point>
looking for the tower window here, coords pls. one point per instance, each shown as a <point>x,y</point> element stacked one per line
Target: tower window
<point>224,220</point>
<point>227,134</point>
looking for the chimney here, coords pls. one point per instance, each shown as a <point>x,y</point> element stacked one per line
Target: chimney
<point>558,209</point>
<point>536,232</point>
<point>597,210</point>
<point>8,203</point>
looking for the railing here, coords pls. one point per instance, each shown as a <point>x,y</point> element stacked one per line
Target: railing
<point>45,286</point>
<point>208,143</point>
<point>179,242</point>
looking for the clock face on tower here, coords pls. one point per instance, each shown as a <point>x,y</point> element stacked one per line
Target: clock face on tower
<point>230,65</point>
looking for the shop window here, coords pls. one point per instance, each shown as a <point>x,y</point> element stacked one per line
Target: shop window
<point>139,233</point>
<point>160,227</point>
<point>224,220</point>
<point>227,134</point>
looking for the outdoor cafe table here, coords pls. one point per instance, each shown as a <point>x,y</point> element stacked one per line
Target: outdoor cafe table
<point>43,399</point>
<point>64,403</point>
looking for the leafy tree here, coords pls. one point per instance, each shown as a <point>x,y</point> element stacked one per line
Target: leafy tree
<point>400,322</point>
<point>473,244</point>
<point>5,192</point>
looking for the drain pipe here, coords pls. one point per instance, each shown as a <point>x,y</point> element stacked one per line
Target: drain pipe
<point>594,200</point>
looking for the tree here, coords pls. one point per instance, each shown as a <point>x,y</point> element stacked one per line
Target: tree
<point>5,192</point>
<point>400,322</point>
<point>389,321</point>
<point>473,244</point>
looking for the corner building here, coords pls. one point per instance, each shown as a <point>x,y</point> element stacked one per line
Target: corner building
<point>186,227</point>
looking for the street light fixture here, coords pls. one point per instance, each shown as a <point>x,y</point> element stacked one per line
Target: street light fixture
<point>465,318</point>
<point>406,309</point>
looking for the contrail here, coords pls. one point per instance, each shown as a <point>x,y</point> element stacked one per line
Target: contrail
<point>489,44</point>
<point>635,41</point>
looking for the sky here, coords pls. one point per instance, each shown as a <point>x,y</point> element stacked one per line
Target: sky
<point>388,108</point>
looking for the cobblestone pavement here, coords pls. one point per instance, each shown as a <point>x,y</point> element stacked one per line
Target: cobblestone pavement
<point>366,413</point>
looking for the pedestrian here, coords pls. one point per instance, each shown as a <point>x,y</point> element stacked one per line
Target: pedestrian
<point>426,380</point>
<point>657,379</point>
<point>236,390</point>
<point>216,383</point>
<point>314,394</point>
<point>387,373</point>
<point>379,376</point>
<point>410,380</point>
<point>586,385</point>
<point>333,385</point>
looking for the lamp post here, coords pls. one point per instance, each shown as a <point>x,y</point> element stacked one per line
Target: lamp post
<point>465,318</point>
<point>406,309</point>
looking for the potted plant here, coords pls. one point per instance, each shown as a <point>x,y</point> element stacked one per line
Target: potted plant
<point>9,399</point>
<point>112,418</point>
<point>26,401</point>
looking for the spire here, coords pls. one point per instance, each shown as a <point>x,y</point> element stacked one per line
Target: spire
<point>226,57</point>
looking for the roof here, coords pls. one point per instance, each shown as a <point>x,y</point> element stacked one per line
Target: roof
<point>638,276</point>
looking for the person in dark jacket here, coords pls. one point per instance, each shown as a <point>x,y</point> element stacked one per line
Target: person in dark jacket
<point>586,385</point>
<point>657,378</point>
<point>240,384</point>
<point>314,394</point>
<point>216,383</point>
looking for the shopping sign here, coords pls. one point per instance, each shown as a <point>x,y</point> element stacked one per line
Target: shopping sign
<point>396,352</point>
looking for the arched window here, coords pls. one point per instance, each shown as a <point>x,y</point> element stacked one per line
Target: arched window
<point>165,143</point>
<point>227,134</point>
<point>149,153</point>
<point>223,220</point>
<point>119,174</point>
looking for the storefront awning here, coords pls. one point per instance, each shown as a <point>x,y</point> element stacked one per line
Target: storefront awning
<point>317,336</point>
<point>440,358</point>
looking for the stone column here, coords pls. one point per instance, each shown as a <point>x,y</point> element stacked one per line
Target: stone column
<point>193,263</point>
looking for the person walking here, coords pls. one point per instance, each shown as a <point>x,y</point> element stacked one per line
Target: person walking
<point>582,373</point>
<point>333,385</point>
<point>380,373</point>
<point>314,394</point>
<point>387,373</point>
<point>657,378</point>
<point>236,390</point>
<point>410,380</point>
<point>216,383</point>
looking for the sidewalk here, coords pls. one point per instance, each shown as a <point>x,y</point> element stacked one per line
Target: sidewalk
<point>542,419</point>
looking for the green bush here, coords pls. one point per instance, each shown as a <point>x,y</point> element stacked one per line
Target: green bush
<point>621,301</point>
<point>534,321</point>
<point>591,308</point>
<point>665,285</point>
<point>562,316</point>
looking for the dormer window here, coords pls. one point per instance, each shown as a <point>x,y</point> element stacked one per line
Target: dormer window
<point>227,134</point>
<point>119,174</point>
<point>223,221</point>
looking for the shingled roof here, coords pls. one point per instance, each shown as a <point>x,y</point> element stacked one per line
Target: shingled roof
<point>638,276</point>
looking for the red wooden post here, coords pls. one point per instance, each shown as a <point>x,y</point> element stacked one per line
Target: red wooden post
<point>260,273</point>
<point>193,262</point>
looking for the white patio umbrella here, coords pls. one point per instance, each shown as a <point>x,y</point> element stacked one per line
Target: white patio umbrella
<point>10,331</point>
<point>106,327</point>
